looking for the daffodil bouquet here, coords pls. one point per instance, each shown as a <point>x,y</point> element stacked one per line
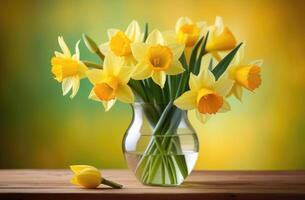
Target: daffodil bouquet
<point>193,67</point>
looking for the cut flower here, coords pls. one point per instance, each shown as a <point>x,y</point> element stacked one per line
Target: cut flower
<point>119,42</point>
<point>156,58</point>
<point>110,83</point>
<point>68,69</point>
<point>206,95</point>
<point>89,177</point>
<point>220,37</point>
<point>244,75</point>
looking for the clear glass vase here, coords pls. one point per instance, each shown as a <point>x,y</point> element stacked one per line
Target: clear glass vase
<point>161,149</point>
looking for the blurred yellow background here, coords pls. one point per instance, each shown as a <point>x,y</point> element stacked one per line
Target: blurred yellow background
<point>41,129</point>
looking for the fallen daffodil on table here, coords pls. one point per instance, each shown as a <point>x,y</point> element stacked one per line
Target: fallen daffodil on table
<point>90,177</point>
<point>163,75</point>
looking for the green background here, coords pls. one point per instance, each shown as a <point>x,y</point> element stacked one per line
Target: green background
<point>42,129</point>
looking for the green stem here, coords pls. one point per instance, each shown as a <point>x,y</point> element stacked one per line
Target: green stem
<point>111,183</point>
<point>92,65</point>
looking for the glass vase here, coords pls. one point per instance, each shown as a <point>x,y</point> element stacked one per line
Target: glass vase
<point>161,149</point>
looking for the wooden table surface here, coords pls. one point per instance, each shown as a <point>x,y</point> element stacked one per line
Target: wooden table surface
<point>210,185</point>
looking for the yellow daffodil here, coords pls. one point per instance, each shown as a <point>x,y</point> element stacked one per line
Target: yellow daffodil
<point>220,37</point>
<point>157,58</point>
<point>110,83</point>
<point>89,177</point>
<point>206,95</point>
<point>245,75</point>
<point>67,68</point>
<point>119,41</point>
<point>186,32</point>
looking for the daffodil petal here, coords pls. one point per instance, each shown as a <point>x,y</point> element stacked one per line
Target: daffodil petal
<point>155,37</point>
<point>64,46</point>
<point>112,64</point>
<point>175,68</point>
<point>133,31</point>
<point>159,77</point>
<point>223,85</point>
<point>139,50</point>
<point>125,74</point>
<point>177,50</point>
<point>95,75</point>
<point>108,104</point>
<point>205,61</point>
<point>125,94</point>
<point>206,78</point>
<point>225,107</point>
<point>89,178</point>
<point>203,118</point>
<point>219,24</point>
<point>182,21</point>
<point>142,71</point>
<point>194,83</point>
<point>187,101</point>
<point>78,168</point>
<point>58,54</point>
<point>169,37</point>
<point>77,53</point>
<point>73,180</point>
<point>257,62</point>
<point>111,32</point>
<point>238,92</point>
<point>93,96</point>
<point>104,48</point>
<point>67,84</point>
<point>203,28</point>
<point>75,86</point>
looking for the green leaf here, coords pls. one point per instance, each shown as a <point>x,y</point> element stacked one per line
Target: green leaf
<point>201,54</point>
<point>211,65</point>
<point>194,54</point>
<point>145,32</point>
<point>92,64</point>
<point>182,59</point>
<point>224,63</point>
<point>92,46</point>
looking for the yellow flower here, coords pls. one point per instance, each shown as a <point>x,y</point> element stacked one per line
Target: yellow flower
<point>188,32</point>
<point>89,177</point>
<point>119,41</point>
<point>245,75</point>
<point>206,95</point>
<point>220,37</point>
<point>68,69</point>
<point>156,58</point>
<point>86,176</point>
<point>111,82</point>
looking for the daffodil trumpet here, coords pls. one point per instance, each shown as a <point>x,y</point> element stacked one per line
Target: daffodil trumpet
<point>195,68</point>
<point>90,177</point>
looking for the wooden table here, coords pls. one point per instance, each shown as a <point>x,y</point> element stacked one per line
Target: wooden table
<point>210,185</point>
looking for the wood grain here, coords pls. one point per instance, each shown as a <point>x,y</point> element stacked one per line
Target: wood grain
<point>54,184</point>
